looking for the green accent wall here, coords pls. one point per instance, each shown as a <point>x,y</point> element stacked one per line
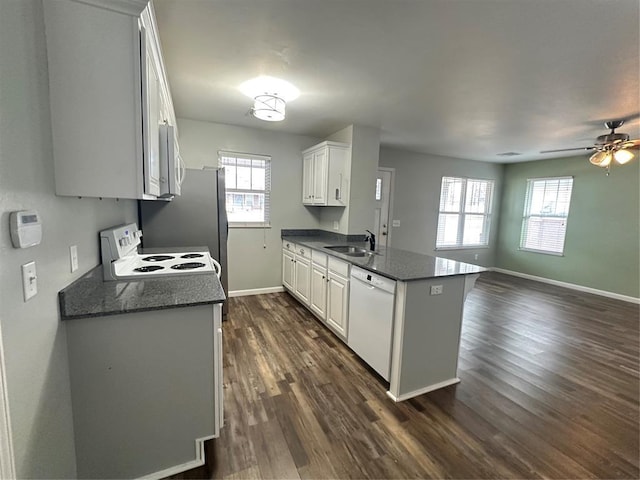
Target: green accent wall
<point>602,242</point>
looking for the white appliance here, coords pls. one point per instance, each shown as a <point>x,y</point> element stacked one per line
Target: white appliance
<point>371,305</point>
<point>172,168</point>
<point>121,260</point>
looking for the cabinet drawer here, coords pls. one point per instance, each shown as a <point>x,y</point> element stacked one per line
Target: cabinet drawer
<point>288,245</point>
<point>319,258</point>
<point>303,252</point>
<point>339,267</point>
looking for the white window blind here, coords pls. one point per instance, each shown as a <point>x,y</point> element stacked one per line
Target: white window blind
<point>546,209</point>
<point>465,212</point>
<point>248,188</point>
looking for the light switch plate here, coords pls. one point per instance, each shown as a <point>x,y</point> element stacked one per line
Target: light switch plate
<point>29,280</point>
<point>73,257</point>
<point>336,225</point>
<point>395,223</point>
<point>436,290</point>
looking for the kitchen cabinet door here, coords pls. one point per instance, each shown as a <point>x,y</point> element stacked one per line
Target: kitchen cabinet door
<point>325,174</point>
<point>320,177</point>
<point>152,108</point>
<point>307,179</point>
<point>318,300</point>
<point>288,270</point>
<point>303,279</point>
<point>338,304</point>
<point>105,80</point>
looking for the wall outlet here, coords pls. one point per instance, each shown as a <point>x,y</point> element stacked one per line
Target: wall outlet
<point>475,257</point>
<point>436,290</point>
<point>336,225</point>
<point>395,223</point>
<point>73,257</point>
<point>29,280</point>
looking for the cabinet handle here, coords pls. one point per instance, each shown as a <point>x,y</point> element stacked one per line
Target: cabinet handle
<point>339,189</point>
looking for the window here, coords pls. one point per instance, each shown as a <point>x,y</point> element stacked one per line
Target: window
<point>546,208</point>
<point>465,212</point>
<point>248,188</point>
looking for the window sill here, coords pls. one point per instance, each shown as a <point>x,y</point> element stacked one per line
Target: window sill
<point>465,247</point>
<point>249,225</point>
<point>544,252</point>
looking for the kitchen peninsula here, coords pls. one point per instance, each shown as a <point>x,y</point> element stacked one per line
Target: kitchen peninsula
<point>424,332</point>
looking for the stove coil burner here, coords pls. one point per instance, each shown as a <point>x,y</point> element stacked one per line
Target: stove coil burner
<point>150,268</point>
<point>158,258</point>
<point>192,255</point>
<point>188,266</point>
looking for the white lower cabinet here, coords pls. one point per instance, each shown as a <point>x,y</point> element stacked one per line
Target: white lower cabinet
<point>320,282</point>
<point>338,303</point>
<point>288,270</point>
<point>319,290</point>
<point>302,279</point>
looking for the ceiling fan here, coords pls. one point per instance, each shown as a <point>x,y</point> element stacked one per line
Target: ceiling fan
<point>611,147</point>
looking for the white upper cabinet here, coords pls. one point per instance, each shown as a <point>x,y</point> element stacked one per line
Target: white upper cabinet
<point>109,96</point>
<point>324,174</point>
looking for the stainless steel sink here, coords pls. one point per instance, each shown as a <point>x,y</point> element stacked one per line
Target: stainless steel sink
<point>350,250</point>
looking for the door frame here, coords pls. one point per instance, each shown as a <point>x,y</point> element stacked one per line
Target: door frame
<point>391,198</point>
<point>7,462</point>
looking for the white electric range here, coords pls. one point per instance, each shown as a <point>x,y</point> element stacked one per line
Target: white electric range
<point>121,260</point>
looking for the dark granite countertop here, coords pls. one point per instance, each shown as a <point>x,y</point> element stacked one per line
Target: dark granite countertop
<point>392,263</point>
<point>91,296</point>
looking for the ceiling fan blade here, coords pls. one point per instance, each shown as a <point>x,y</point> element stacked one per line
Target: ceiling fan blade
<point>631,144</point>
<point>586,149</point>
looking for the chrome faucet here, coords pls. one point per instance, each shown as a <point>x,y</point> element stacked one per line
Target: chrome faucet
<point>371,238</point>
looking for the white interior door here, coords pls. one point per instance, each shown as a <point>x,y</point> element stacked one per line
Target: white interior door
<point>382,205</point>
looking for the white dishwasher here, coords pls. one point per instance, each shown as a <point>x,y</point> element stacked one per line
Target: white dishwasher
<point>371,304</point>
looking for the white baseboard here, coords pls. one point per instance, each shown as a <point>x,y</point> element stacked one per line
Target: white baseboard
<point>199,461</point>
<point>255,291</point>
<point>572,286</point>
<point>421,391</point>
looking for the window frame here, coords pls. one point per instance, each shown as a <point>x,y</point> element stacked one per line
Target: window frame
<point>487,214</point>
<point>526,214</point>
<point>266,222</point>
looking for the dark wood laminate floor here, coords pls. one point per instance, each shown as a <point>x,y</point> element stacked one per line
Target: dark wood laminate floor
<point>549,389</point>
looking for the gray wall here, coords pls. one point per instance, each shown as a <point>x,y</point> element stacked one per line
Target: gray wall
<point>364,168</point>
<point>418,179</point>
<point>358,215</point>
<point>602,240</point>
<point>33,337</point>
<point>255,253</point>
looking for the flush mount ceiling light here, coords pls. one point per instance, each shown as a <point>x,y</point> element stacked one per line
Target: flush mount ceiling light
<point>270,96</point>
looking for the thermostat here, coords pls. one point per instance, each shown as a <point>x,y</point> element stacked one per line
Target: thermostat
<point>26,229</point>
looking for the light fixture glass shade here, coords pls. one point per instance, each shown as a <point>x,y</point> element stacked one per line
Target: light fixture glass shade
<point>265,85</point>
<point>269,108</point>
<point>623,156</point>
<point>601,159</point>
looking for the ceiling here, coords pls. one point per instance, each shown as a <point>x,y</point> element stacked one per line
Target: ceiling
<point>460,78</point>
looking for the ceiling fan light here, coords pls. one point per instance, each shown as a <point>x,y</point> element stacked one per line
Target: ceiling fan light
<point>601,159</point>
<point>623,156</point>
<point>269,108</point>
